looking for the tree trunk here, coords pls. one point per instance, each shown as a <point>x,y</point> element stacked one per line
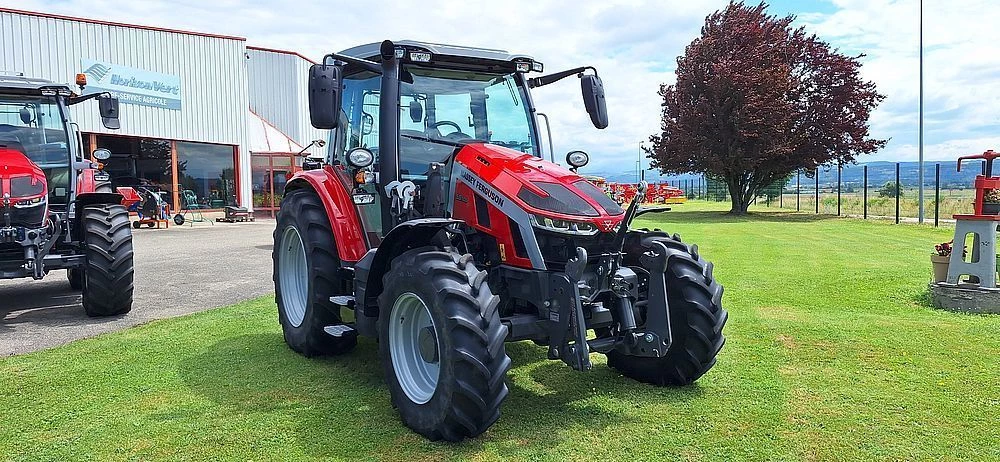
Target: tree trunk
<point>739,203</point>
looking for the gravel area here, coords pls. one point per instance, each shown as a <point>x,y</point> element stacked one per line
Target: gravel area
<point>180,270</point>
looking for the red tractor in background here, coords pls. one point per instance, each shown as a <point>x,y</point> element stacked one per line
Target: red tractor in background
<point>57,210</point>
<point>435,227</point>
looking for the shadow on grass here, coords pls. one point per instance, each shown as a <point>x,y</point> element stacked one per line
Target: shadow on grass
<point>923,298</point>
<point>726,217</point>
<point>337,403</point>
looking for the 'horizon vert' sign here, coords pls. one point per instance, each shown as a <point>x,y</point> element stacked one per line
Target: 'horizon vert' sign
<point>131,85</point>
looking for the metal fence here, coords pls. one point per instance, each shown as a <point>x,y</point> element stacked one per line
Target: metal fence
<point>878,190</point>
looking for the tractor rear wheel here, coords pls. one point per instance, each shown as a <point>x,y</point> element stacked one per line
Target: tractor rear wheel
<point>306,275</point>
<point>108,268</point>
<point>442,344</point>
<point>696,314</point>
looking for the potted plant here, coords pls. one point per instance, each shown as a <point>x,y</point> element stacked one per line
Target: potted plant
<point>939,260</point>
<point>991,202</point>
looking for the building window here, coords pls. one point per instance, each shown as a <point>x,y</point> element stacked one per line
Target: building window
<point>137,162</point>
<point>207,174</point>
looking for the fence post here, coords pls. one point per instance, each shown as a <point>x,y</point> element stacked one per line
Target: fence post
<point>898,193</point>
<point>839,167</point>
<point>798,189</point>
<point>817,190</point>
<point>937,192</point>
<point>865,195</point>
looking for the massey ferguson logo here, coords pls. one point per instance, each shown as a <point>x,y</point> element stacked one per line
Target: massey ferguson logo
<point>607,225</point>
<point>486,191</point>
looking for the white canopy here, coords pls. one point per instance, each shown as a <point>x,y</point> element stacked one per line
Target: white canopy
<point>265,137</point>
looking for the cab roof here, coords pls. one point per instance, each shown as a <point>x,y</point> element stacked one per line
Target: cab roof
<point>371,50</point>
<point>21,84</point>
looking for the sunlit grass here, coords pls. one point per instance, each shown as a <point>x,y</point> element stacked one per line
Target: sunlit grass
<point>830,356</point>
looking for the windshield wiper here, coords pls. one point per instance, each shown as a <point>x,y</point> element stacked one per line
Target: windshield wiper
<point>456,144</point>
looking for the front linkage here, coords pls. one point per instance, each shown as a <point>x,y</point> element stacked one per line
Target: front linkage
<point>568,339</point>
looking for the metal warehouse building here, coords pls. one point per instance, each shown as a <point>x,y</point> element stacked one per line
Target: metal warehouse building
<point>205,119</point>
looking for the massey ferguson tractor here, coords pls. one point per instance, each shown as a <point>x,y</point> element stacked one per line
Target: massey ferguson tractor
<point>435,226</point>
<point>57,210</point>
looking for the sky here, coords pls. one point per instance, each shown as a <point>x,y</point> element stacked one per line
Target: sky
<point>634,45</point>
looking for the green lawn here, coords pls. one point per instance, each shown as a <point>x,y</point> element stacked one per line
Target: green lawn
<point>831,355</point>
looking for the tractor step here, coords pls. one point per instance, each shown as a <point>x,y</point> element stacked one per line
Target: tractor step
<point>340,330</point>
<point>343,300</point>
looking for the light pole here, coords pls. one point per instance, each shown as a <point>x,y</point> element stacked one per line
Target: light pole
<point>638,165</point>
<point>920,133</point>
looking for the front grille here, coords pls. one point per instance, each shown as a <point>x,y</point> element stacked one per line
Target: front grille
<point>558,248</point>
<point>29,217</point>
<point>11,256</point>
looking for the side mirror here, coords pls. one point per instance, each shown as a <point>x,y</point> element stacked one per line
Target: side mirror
<point>312,163</point>
<point>593,100</point>
<point>108,107</point>
<point>324,95</point>
<point>416,111</point>
<point>25,115</point>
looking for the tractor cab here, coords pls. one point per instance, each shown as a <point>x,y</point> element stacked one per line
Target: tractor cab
<point>35,127</point>
<point>435,100</point>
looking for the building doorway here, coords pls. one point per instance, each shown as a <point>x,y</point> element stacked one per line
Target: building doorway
<point>269,173</point>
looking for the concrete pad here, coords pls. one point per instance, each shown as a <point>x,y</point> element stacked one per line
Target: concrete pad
<point>180,270</point>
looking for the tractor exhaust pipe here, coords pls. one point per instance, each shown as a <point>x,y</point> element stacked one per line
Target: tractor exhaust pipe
<point>388,119</point>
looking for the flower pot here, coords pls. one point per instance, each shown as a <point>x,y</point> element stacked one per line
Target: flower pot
<point>991,208</point>
<point>940,264</point>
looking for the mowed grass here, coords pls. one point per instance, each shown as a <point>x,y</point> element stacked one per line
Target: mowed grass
<point>832,354</point>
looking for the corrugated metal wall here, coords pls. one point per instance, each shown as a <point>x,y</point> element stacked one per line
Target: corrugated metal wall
<point>279,93</point>
<point>214,97</point>
<point>212,71</point>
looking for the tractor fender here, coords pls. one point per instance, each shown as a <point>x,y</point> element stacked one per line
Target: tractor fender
<point>347,231</point>
<point>369,270</point>
<point>90,198</point>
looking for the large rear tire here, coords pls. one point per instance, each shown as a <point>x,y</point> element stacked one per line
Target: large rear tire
<point>696,315</point>
<point>306,275</point>
<point>442,344</point>
<point>108,271</point>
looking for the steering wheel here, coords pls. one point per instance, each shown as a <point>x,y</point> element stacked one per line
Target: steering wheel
<point>457,134</point>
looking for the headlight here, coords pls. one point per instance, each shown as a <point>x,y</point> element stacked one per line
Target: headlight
<point>577,158</point>
<point>563,226</point>
<point>360,157</point>
<point>30,202</point>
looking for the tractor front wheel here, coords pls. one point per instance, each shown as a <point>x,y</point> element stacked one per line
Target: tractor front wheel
<point>108,271</point>
<point>442,344</point>
<point>696,314</point>
<point>306,275</point>
<point>75,277</point>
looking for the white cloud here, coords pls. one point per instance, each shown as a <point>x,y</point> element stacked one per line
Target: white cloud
<point>634,44</point>
<point>961,71</point>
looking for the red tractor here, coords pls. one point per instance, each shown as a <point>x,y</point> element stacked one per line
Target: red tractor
<point>57,210</point>
<point>435,227</point>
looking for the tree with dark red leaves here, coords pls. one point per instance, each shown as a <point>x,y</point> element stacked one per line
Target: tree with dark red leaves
<point>756,100</point>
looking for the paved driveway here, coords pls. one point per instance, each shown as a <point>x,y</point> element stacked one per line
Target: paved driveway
<point>179,270</point>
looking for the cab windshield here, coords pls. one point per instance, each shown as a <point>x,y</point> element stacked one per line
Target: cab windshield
<point>34,125</point>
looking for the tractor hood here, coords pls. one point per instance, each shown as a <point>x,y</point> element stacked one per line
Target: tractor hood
<point>538,186</point>
<point>23,190</point>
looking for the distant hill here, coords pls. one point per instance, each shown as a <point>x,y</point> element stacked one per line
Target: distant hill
<point>878,174</point>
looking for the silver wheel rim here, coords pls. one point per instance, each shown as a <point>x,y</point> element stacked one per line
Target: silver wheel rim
<point>293,273</point>
<point>416,376</point>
